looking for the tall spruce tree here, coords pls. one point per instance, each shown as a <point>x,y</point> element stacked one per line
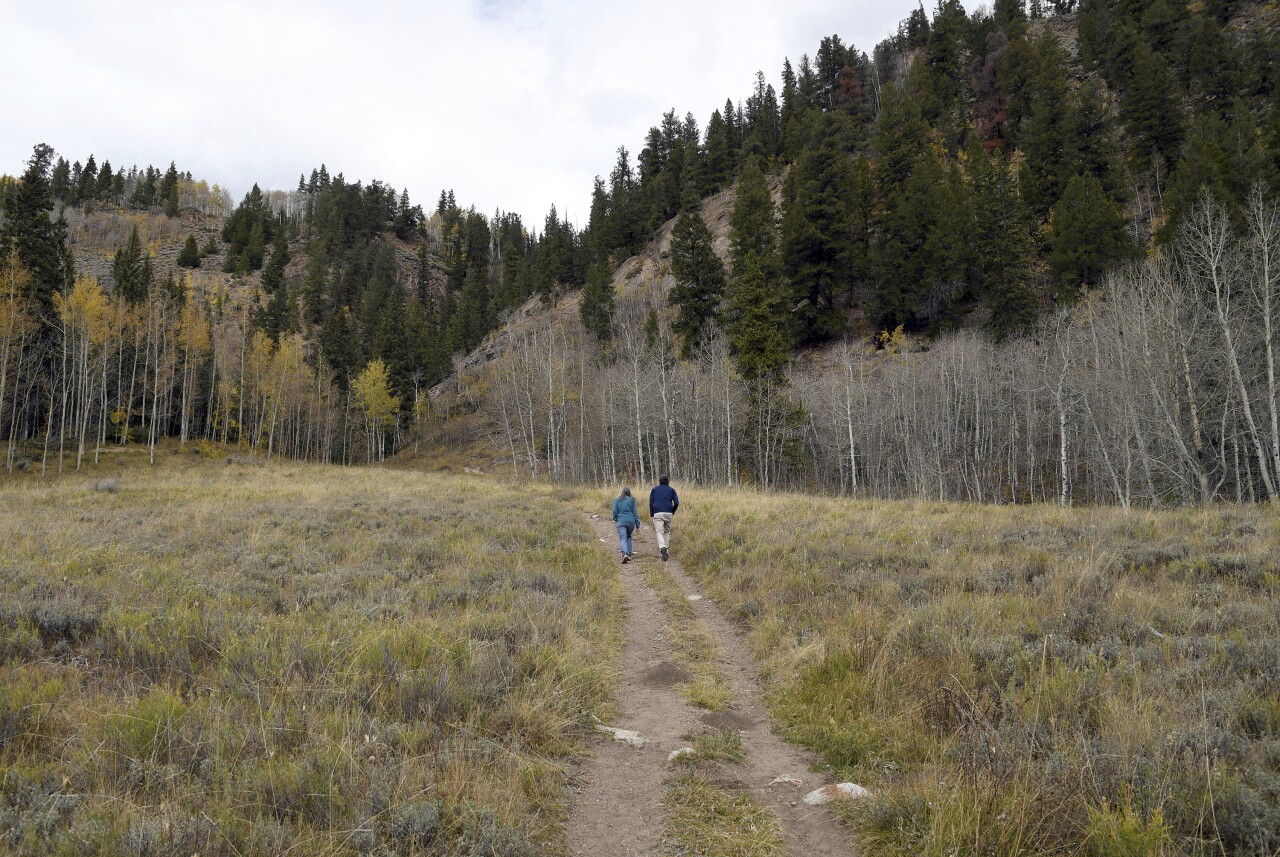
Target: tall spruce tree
<point>131,269</point>
<point>189,257</point>
<point>817,232</point>
<point>756,330</point>
<point>1046,137</point>
<point>596,308</point>
<point>1150,109</point>
<point>1087,234</point>
<point>1003,251</point>
<point>699,276</point>
<point>753,226</point>
<point>41,242</point>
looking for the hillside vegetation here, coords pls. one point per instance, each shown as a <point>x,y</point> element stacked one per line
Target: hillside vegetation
<point>214,657</point>
<point>1016,256</point>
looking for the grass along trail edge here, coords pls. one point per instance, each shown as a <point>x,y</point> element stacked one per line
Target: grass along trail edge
<point>726,798</point>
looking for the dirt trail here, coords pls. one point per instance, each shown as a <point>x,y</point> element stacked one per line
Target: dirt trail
<point>618,807</point>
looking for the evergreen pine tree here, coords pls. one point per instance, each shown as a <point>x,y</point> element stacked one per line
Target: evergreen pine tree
<point>171,201</point>
<point>1150,109</point>
<point>1003,250</point>
<point>340,345</point>
<point>753,226</point>
<point>1211,67</point>
<point>1096,145</point>
<point>756,321</point>
<point>699,275</point>
<point>273,274</point>
<point>597,305</point>
<point>256,247</point>
<point>1046,136</point>
<point>189,257</point>
<point>102,184</point>
<point>39,241</point>
<point>717,162</point>
<point>60,179</point>
<point>922,256</point>
<point>131,269</point>
<point>1086,234</point>
<point>817,232</point>
<point>87,191</point>
<point>169,189</point>
<point>279,316</point>
<point>1206,166</point>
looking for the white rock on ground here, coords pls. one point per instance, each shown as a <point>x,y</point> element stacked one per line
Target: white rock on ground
<point>785,780</point>
<point>626,736</point>
<point>695,597</point>
<point>826,794</point>
<point>683,751</point>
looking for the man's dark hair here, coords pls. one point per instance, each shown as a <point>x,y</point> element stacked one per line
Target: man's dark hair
<point>662,480</point>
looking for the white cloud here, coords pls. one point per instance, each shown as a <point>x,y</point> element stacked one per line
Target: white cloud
<point>515,104</point>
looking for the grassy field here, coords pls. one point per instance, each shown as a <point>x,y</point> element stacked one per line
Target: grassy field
<point>1011,680</point>
<point>225,658</point>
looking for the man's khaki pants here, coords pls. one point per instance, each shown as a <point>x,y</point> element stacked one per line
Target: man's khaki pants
<point>662,526</point>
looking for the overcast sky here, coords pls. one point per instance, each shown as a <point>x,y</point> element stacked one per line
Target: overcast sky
<point>515,104</point>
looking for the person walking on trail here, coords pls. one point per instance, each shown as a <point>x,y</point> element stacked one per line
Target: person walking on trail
<point>663,503</point>
<point>627,519</point>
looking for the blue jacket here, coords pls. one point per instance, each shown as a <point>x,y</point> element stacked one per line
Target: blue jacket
<point>663,499</point>
<point>624,511</point>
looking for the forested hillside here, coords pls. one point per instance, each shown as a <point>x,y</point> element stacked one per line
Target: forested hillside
<point>1025,255</point>
<point>964,188</point>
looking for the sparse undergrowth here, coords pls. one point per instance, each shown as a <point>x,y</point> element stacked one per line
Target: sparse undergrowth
<point>693,646</point>
<point>709,813</point>
<point>219,659</point>
<point>711,818</point>
<point>1016,679</point>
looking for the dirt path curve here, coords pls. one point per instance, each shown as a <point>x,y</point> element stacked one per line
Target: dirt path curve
<point>618,807</point>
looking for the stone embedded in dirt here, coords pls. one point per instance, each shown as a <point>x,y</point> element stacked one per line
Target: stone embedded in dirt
<point>626,736</point>
<point>683,751</point>
<point>595,518</point>
<point>695,597</point>
<point>785,780</point>
<point>826,794</point>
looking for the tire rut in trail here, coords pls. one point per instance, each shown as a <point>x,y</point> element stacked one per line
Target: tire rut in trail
<point>618,807</point>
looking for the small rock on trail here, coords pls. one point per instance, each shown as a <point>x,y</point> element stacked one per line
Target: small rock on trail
<point>626,736</point>
<point>826,794</point>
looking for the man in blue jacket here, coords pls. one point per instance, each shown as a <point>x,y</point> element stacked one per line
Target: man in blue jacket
<point>663,503</point>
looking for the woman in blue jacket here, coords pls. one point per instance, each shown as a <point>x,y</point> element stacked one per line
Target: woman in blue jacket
<point>625,516</point>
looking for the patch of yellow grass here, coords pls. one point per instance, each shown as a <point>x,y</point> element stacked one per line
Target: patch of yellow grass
<point>1011,679</point>
<point>227,658</point>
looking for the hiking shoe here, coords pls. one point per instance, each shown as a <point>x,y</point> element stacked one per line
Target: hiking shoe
<point>664,554</point>
<point>626,558</point>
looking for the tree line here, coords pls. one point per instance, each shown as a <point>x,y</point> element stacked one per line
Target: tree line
<point>1159,387</point>
<point>972,169</point>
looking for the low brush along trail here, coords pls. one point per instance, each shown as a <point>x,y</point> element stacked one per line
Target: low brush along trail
<point>618,809</point>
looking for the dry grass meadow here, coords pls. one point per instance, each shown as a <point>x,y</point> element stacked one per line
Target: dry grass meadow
<point>225,658</point>
<point>1015,680</point>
